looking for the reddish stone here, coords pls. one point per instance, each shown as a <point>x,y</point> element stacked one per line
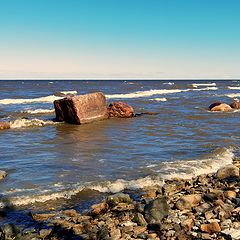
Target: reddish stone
<point>81,109</point>
<point>235,105</point>
<point>223,107</point>
<point>214,105</point>
<point>4,125</point>
<point>120,110</point>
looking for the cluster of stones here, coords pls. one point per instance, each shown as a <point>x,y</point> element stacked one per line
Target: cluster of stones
<point>223,107</point>
<point>205,207</point>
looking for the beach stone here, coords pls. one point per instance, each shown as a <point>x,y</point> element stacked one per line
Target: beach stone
<point>212,227</point>
<point>120,110</point>
<point>230,194</point>
<point>188,224</point>
<point>115,234</point>
<point>140,220</point>
<point>99,208</point>
<point>220,107</point>
<point>174,187</point>
<point>235,105</point>
<point>3,174</point>
<point>117,198</point>
<point>42,216</point>
<point>227,172</point>
<point>188,201</point>
<point>4,125</point>
<point>156,210</point>
<point>233,232</point>
<point>81,109</point>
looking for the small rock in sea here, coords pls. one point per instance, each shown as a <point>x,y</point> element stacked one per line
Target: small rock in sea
<point>210,227</point>
<point>120,110</point>
<point>3,174</point>
<point>188,201</point>
<point>4,125</point>
<point>235,105</point>
<point>156,210</point>
<point>220,107</point>
<point>227,172</point>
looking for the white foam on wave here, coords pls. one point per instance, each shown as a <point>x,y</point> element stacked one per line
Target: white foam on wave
<point>24,123</point>
<point>69,92</point>
<point>146,93</point>
<point>195,85</point>
<point>234,88</point>
<point>50,98</point>
<point>168,83</point>
<point>205,89</point>
<point>180,169</point>
<point>189,169</point>
<point>38,111</point>
<point>233,95</point>
<point>158,99</point>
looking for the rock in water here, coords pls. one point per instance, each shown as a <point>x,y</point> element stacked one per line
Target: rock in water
<point>4,125</point>
<point>156,210</point>
<point>235,105</point>
<point>81,109</point>
<point>227,172</point>
<point>220,107</point>
<point>3,174</point>
<point>120,110</point>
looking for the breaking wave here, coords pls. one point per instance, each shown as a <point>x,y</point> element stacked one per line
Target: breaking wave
<point>168,170</point>
<point>233,95</point>
<point>195,85</point>
<point>205,89</point>
<point>234,88</point>
<point>24,123</point>
<point>50,98</point>
<point>158,99</point>
<point>39,111</point>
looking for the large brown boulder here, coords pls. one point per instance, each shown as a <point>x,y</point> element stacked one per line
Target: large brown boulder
<point>220,107</point>
<point>81,109</point>
<point>4,125</point>
<point>120,110</point>
<point>235,105</point>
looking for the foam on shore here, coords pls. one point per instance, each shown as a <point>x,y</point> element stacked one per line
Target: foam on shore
<point>38,111</point>
<point>234,88</point>
<point>167,171</point>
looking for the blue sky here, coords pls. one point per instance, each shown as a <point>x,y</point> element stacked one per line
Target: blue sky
<point>105,39</point>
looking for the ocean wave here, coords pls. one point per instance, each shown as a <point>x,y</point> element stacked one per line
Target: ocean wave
<point>168,170</point>
<point>168,83</point>
<point>24,123</point>
<point>233,95</point>
<point>192,168</point>
<point>205,89</point>
<point>38,111</point>
<point>146,93</point>
<point>158,99</point>
<point>50,98</point>
<point>234,88</point>
<point>195,85</point>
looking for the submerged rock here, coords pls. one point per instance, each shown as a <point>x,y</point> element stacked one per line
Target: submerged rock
<point>3,174</point>
<point>81,109</point>
<point>4,125</point>
<point>120,110</point>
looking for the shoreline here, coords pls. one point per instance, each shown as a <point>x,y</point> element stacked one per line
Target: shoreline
<point>204,207</point>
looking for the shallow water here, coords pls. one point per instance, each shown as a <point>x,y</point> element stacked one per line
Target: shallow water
<point>48,161</point>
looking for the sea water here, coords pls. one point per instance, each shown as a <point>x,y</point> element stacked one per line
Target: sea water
<point>52,162</point>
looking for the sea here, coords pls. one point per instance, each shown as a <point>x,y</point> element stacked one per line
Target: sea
<point>53,165</point>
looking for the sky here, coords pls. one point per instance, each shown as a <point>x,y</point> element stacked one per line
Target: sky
<point>119,39</point>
